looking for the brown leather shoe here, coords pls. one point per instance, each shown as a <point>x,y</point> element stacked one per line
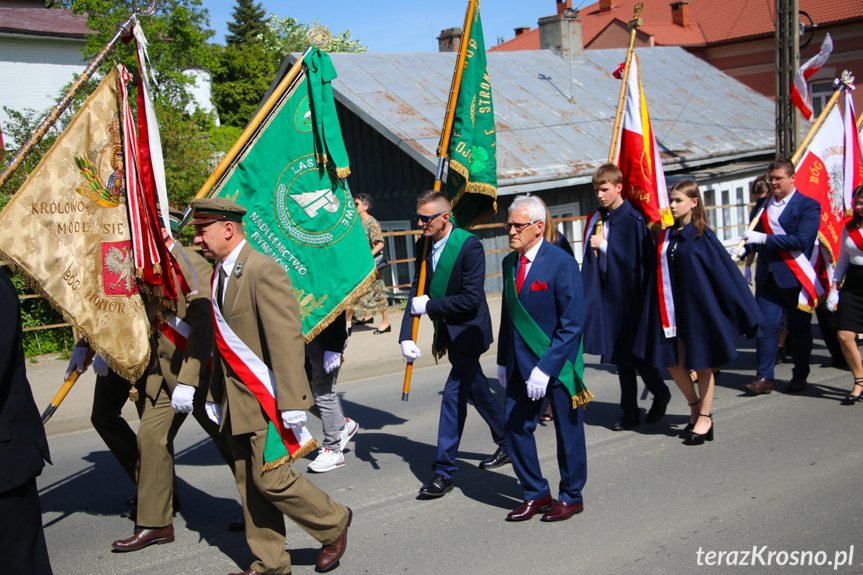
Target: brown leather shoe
<point>529,508</point>
<point>144,537</point>
<point>796,385</point>
<point>253,572</point>
<point>330,554</point>
<point>562,511</point>
<point>760,386</point>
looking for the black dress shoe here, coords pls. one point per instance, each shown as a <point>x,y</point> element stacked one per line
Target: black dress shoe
<point>438,486</point>
<point>796,385</point>
<point>364,321</point>
<point>657,410</point>
<point>499,459</point>
<point>626,423</point>
<point>388,329</point>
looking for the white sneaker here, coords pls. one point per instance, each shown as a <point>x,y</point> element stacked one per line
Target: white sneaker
<point>327,461</point>
<point>351,428</point>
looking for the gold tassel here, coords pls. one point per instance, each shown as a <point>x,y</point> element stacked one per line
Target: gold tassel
<point>133,394</point>
<point>582,398</point>
<point>270,465</point>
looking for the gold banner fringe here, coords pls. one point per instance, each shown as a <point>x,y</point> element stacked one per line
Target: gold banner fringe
<point>345,303</point>
<point>343,172</point>
<point>298,454</point>
<point>582,398</point>
<point>128,373</point>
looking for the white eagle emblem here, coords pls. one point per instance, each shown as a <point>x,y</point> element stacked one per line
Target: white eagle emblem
<point>118,263</point>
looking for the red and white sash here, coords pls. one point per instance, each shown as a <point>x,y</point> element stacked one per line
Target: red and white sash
<point>802,268</point>
<point>178,332</point>
<point>663,285</point>
<point>254,373</point>
<point>855,235</point>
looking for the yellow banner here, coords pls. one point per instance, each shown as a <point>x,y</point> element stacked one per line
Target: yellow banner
<point>67,230</point>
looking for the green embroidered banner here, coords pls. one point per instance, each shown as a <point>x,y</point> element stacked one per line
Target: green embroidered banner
<point>471,184</point>
<point>291,179</point>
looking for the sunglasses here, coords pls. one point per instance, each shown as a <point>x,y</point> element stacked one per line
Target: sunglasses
<point>421,219</point>
<point>518,227</point>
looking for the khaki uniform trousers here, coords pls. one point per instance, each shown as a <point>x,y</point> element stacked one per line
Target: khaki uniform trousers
<point>156,479</point>
<point>268,496</point>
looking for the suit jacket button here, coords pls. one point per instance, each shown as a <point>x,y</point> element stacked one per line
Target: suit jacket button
<point>304,396</point>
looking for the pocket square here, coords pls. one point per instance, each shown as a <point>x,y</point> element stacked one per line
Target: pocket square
<point>537,286</point>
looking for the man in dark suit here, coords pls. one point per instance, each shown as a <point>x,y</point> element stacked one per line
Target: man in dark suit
<point>539,348</point>
<point>23,450</point>
<point>792,220</point>
<point>455,301</point>
<point>258,333</point>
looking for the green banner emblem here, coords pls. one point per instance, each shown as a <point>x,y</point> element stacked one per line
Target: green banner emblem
<point>291,179</point>
<point>471,184</point>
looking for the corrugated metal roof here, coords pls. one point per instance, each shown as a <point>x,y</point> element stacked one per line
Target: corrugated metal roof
<point>699,114</point>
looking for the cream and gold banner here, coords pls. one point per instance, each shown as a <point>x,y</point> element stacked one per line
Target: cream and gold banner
<point>67,230</point>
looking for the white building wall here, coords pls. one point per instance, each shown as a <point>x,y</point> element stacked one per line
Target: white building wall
<point>34,70</point>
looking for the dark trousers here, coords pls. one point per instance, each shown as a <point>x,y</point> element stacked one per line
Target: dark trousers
<point>22,539</point>
<point>109,396</point>
<point>465,381</point>
<point>827,324</point>
<point>522,415</point>
<point>772,301</point>
<point>629,385</point>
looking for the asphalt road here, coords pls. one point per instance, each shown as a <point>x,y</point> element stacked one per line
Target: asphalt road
<point>783,476</point>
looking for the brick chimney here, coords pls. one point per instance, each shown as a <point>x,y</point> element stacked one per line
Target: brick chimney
<point>680,13</point>
<point>604,6</point>
<point>521,30</point>
<point>563,5</point>
<point>449,40</point>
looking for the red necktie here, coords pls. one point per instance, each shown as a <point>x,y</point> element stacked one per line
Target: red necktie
<point>522,270</point>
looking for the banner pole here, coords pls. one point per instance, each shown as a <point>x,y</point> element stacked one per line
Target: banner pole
<point>248,132</point>
<point>618,118</point>
<point>443,146</point>
<point>64,102</point>
<point>64,389</point>
<point>794,159</point>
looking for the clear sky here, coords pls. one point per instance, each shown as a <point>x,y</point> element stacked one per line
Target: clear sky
<point>397,26</point>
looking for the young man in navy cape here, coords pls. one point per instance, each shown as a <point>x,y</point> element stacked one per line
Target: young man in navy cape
<point>455,284</point>
<point>793,220</point>
<point>539,354</point>
<point>619,272</point>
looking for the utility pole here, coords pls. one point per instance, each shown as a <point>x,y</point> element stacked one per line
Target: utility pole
<point>787,64</point>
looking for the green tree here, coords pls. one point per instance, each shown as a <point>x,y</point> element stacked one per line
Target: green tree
<point>286,35</point>
<point>248,23</point>
<point>240,81</point>
<point>18,128</point>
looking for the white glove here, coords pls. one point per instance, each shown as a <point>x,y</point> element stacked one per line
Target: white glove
<point>747,275</point>
<point>332,361</point>
<point>100,366</point>
<point>79,354</point>
<point>501,376</point>
<point>754,237</point>
<point>294,418</point>
<point>832,299</point>
<point>734,252</point>
<point>181,399</point>
<point>214,412</point>
<point>410,351</point>
<point>418,305</point>
<point>536,384</point>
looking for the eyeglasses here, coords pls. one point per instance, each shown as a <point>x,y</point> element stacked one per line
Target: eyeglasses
<point>518,227</point>
<point>421,219</point>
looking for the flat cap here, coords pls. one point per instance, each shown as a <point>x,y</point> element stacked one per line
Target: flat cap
<point>207,210</point>
<point>175,216</point>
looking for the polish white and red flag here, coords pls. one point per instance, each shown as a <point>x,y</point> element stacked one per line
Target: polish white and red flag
<point>800,87</point>
<point>639,160</point>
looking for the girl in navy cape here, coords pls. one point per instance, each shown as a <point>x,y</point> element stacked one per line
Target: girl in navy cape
<point>709,306</point>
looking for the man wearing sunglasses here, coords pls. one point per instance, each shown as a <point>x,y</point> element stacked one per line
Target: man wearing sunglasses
<point>455,284</point>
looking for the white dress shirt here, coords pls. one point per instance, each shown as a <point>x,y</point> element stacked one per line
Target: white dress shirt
<point>228,266</point>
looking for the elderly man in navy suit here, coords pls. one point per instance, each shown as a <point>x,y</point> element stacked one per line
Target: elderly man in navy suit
<point>455,285</point>
<point>789,226</point>
<point>539,353</point>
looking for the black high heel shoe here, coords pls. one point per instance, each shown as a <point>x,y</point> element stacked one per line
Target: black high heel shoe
<point>699,438</point>
<point>690,426</point>
<point>852,399</point>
